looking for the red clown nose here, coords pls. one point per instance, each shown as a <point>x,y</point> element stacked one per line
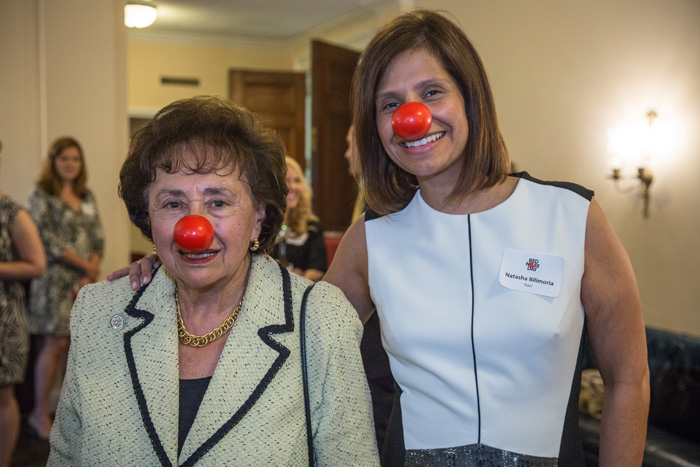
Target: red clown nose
<point>411,121</point>
<point>193,233</point>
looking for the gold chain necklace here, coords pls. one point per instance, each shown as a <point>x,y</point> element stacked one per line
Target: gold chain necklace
<point>200,341</point>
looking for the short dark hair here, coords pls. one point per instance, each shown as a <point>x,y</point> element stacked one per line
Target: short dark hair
<point>222,136</point>
<point>49,181</point>
<point>387,187</point>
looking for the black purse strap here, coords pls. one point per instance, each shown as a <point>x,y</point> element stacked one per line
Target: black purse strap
<point>304,375</point>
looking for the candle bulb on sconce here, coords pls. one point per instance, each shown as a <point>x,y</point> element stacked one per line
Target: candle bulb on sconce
<point>627,141</point>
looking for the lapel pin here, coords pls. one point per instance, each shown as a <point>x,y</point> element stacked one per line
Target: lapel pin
<point>117,322</point>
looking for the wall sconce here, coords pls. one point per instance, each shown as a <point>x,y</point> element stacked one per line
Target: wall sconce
<point>637,142</point>
<point>139,15</point>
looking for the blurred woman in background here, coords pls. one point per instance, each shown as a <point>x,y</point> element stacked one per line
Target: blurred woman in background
<point>21,258</point>
<point>300,245</point>
<point>65,211</point>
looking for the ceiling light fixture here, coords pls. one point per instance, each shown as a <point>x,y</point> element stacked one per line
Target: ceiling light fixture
<point>139,16</point>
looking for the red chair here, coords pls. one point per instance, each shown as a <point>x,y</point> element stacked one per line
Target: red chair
<point>332,242</point>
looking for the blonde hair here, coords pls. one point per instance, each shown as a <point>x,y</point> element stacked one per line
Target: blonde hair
<point>297,218</point>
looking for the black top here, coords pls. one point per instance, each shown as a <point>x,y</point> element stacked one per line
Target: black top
<point>305,254</point>
<point>191,395</point>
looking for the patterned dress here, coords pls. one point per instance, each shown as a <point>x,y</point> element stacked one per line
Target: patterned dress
<point>14,340</point>
<point>61,228</point>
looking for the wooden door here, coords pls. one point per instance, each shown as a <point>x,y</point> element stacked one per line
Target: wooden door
<point>335,189</point>
<point>279,99</point>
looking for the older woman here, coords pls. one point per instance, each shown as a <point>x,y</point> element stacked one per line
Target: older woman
<point>229,390</point>
<point>300,244</point>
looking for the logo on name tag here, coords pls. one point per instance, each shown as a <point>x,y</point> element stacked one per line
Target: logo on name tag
<point>532,264</point>
<point>530,272</point>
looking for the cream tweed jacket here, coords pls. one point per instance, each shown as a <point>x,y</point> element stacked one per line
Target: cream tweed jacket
<point>119,403</point>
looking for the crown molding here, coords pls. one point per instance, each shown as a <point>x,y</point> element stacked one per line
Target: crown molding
<point>207,40</point>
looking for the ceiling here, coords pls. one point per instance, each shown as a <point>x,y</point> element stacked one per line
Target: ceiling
<point>272,20</point>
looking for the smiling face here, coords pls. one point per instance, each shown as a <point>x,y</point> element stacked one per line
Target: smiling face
<point>416,76</point>
<point>295,185</point>
<point>68,164</point>
<point>226,201</point>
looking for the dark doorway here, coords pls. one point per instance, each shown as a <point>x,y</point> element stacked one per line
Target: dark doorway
<point>279,99</point>
<point>335,189</point>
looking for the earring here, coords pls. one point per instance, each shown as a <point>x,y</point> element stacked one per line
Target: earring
<point>255,244</point>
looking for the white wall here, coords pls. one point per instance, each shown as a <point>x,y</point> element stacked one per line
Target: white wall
<point>565,72</point>
<point>20,129</point>
<point>64,73</point>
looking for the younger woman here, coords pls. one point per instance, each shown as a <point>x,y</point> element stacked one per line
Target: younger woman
<point>65,211</point>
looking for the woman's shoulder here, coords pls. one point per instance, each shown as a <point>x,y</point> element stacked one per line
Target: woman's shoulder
<point>102,297</point>
<point>39,193</point>
<point>325,299</point>
<point>89,197</point>
<point>9,206</point>
<point>117,290</point>
<point>329,308</point>
<point>562,186</point>
<point>99,318</point>
<point>314,225</point>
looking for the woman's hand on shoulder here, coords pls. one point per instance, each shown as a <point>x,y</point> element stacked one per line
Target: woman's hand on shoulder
<point>349,269</point>
<point>140,272</point>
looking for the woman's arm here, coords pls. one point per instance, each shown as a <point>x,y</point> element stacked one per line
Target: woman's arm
<point>90,267</point>
<point>140,272</point>
<point>341,404</point>
<point>97,239</point>
<point>67,428</point>
<point>616,330</point>
<point>349,269</point>
<point>32,259</point>
<point>311,274</point>
<point>65,434</point>
<point>42,212</point>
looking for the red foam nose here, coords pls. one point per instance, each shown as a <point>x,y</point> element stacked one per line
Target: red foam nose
<point>193,233</point>
<point>411,121</point>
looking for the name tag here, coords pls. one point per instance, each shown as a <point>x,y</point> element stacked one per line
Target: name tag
<point>88,209</point>
<point>531,272</point>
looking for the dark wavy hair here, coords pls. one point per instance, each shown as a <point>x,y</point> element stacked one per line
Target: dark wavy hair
<point>49,181</point>
<point>222,136</point>
<point>387,187</point>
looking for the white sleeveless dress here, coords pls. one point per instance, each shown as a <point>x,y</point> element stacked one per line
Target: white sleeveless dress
<point>486,370</point>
